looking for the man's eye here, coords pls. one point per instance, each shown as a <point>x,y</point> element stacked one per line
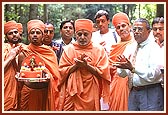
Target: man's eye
<point>79,34</point>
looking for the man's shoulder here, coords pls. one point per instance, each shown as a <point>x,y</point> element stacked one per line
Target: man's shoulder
<point>97,46</point>
<point>58,41</point>
<point>112,30</point>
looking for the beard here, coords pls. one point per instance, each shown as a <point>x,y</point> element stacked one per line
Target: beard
<point>15,41</point>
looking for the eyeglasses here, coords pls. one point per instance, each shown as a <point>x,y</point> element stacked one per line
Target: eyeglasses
<point>140,29</point>
<point>160,28</point>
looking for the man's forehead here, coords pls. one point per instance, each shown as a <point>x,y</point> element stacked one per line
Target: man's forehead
<point>50,26</point>
<point>103,17</point>
<point>158,24</point>
<point>35,29</point>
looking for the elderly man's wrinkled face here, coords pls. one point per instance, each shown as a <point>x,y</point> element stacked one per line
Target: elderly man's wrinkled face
<point>13,36</point>
<point>123,30</point>
<point>83,37</point>
<point>36,37</point>
<point>141,32</point>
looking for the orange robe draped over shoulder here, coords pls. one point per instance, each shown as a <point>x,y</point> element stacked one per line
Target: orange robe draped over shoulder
<point>119,90</point>
<point>49,97</point>
<point>10,83</point>
<point>80,91</point>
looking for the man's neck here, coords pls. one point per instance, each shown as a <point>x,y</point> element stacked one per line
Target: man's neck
<point>104,32</point>
<point>13,44</point>
<point>67,40</point>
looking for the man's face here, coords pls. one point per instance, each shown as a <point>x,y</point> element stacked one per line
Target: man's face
<point>123,30</point>
<point>67,31</point>
<point>13,36</point>
<point>158,31</point>
<point>102,24</point>
<point>83,37</point>
<point>36,37</point>
<point>141,32</point>
<point>48,34</point>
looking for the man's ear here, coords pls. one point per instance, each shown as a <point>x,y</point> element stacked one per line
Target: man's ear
<point>28,37</point>
<point>60,32</point>
<point>108,21</point>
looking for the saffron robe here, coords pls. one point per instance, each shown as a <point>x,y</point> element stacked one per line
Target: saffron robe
<point>10,83</point>
<point>119,90</point>
<point>46,98</point>
<point>81,90</point>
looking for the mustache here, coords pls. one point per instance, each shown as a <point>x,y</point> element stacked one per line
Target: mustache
<point>124,32</point>
<point>158,34</point>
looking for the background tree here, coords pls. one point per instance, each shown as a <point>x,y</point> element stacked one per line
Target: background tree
<point>160,10</point>
<point>56,13</point>
<point>33,11</point>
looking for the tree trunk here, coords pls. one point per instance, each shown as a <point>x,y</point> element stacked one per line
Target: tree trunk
<point>45,13</point>
<point>33,14</point>
<point>160,10</point>
<point>7,9</point>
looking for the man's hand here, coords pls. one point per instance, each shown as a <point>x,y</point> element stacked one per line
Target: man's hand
<point>15,50</point>
<point>123,62</point>
<point>80,63</point>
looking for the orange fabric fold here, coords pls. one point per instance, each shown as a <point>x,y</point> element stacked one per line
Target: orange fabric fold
<point>10,25</point>
<point>81,85</point>
<point>50,60</point>
<point>119,90</point>
<point>120,17</point>
<point>10,83</point>
<point>85,24</point>
<point>35,24</point>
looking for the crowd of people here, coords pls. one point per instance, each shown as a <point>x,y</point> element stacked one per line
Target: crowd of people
<point>89,69</point>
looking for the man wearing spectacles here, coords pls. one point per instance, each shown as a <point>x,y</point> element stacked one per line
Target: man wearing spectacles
<point>143,67</point>
<point>48,33</point>
<point>48,37</point>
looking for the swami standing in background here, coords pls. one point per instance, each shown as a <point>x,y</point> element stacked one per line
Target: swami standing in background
<point>119,90</point>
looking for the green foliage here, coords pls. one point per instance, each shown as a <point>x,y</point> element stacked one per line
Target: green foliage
<point>56,13</point>
<point>147,11</point>
<point>12,16</point>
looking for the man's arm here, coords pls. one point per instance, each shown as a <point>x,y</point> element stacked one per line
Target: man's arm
<point>12,54</point>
